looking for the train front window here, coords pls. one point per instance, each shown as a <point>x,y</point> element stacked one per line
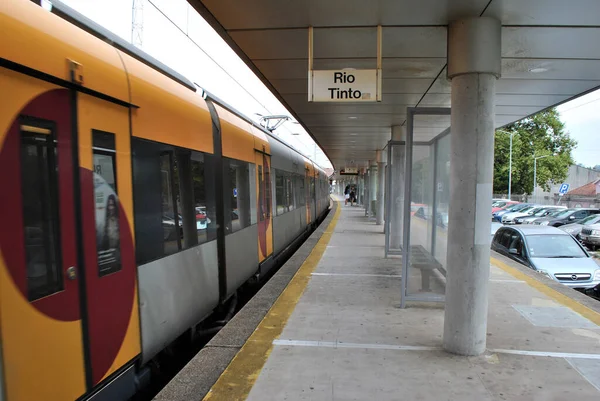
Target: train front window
<point>39,190</point>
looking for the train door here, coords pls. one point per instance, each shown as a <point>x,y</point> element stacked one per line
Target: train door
<point>40,312</point>
<point>263,209</point>
<point>113,333</point>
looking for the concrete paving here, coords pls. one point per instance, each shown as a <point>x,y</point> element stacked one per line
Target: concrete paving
<point>347,338</point>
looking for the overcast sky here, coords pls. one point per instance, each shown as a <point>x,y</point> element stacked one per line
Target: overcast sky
<point>176,35</point>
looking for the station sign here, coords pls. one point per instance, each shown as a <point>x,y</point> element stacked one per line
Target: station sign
<point>349,171</point>
<point>344,85</point>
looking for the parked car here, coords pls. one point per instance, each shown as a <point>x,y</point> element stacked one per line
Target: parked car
<point>509,218</point>
<point>548,212</point>
<point>502,204</point>
<point>495,227</point>
<point>566,217</point>
<point>549,251</point>
<point>514,208</point>
<point>590,236</point>
<point>575,228</point>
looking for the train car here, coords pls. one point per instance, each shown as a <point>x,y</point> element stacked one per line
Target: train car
<point>132,208</point>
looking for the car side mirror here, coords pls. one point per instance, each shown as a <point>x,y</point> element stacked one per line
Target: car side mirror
<point>513,251</point>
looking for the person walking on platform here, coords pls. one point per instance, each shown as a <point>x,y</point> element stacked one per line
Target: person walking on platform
<point>352,196</point>
<point>346,195</point>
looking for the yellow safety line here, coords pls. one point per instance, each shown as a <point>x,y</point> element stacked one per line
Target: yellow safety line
<point>583,310</point>
<point>239,377</point>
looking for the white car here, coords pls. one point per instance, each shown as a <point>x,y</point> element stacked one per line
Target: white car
<point>509,218</point>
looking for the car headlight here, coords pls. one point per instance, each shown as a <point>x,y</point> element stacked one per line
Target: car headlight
<point>545,273</point>
<point>544,223</point>
<point>597,275</point>
<point>595,232</point>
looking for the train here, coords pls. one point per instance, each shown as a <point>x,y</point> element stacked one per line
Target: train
<point>134,205</point>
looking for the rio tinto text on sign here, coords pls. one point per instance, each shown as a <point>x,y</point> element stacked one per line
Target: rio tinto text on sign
<point>344,86</point>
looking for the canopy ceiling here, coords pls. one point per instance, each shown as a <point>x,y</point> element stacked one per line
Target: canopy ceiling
<point>550,53</point>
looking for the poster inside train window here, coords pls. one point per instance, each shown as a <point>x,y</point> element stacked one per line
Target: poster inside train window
<point>106,203</point>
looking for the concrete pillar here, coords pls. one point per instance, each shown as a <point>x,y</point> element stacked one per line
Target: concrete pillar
<point>397,174</point>
<point>367,189</point>
<point>380,187</point>
<point>373,189</point>
<point>473,67</point>
<point>363,186</point>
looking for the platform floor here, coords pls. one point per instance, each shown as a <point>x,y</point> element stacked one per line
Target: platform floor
<point>337,333</point>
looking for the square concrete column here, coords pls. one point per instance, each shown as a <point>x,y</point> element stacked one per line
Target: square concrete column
<point>380,187</point>
<point>397,187</point>
<point>367,192</point>
<point>373,174</point>
<point>473,67</point>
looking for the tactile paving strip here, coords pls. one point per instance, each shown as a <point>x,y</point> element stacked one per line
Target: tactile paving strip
<point>559,316</point>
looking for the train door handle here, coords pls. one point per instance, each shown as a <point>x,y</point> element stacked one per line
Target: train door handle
<point>71,273</point>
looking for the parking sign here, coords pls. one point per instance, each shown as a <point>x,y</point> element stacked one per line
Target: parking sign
<point>563,188</point>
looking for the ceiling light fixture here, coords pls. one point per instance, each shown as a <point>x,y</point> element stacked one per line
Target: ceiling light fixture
<point>537,70</point>
<point>352,117</point>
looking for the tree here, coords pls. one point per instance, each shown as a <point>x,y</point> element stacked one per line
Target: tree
<point>540,135</point>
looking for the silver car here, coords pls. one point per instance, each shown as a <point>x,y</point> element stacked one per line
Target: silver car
<point>575,228</point>
<point>590,236</point>
<point>549,251</point>
<point>551,211</point>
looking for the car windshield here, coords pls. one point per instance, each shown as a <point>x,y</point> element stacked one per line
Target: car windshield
<point>541,212</point>
<point>526,209</point>
<point>553,246</point>
<point>498,204</point>
<point>563,213</point>
<point>593,219</point>
<point>513,208</point>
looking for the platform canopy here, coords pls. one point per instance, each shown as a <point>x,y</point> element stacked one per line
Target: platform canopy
<point>550,54</point>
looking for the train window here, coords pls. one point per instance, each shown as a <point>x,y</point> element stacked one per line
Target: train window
<point>205,214</point>
<point>253,212</point>
<point>261,208</point>
<point>300,193</point>
<point>39,190</point>
<point>174,200</point>
<point>237,194</point>
<point>280,204</point>
<point>289,191</point>
<point>170,218</point>
<point>106,214</point>
<point>268,197</point>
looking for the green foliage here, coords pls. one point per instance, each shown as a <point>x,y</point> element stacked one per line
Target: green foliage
<point>539,135</point>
